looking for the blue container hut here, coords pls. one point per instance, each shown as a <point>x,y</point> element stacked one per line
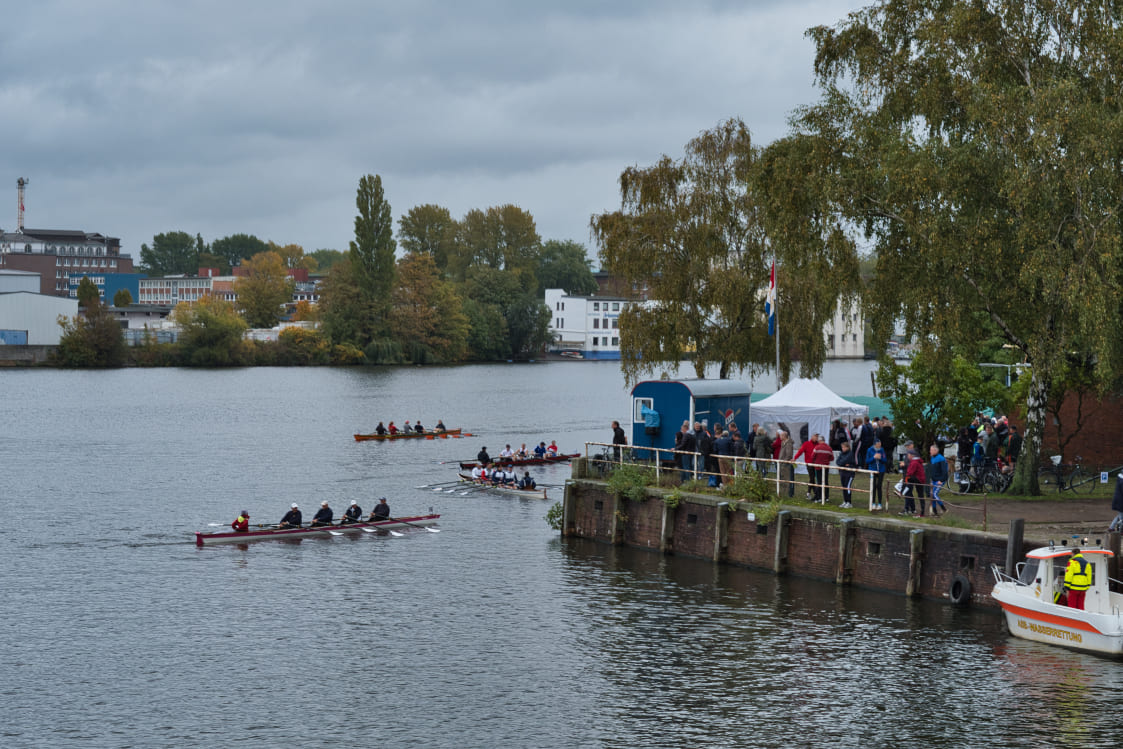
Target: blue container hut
<point>659,407</point>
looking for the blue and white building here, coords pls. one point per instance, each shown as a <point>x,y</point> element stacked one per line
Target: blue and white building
<point>588,325</point>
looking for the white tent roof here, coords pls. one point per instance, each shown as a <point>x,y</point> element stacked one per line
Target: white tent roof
<point>805,402</point>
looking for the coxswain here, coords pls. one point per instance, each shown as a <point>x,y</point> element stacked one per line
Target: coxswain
<point>380,429</point>
<point>292,518</point>
<point>552,450</point>
<point>393,428</point>
<point>324,514</point>
<point>540,451</point>
<point>440,427</point>
<point>418,428</point>
<point>526,482</point>
<point>1078,578</point>
<point>353,514</point>
<point>381,510</point>
<point>241,523</point>
<point>483,457</point>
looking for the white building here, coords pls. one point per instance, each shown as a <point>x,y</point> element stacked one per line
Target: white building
<point>30,318</point>
<point>589,325</point>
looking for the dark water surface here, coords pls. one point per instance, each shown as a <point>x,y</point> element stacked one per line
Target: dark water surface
<point>118,632</point>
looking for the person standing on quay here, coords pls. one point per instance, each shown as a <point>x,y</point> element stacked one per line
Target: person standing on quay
<point>823,457</point>
<point>846,465</point>
<point>878,463</point>
<point>686,446</point>
<point>938,475</point>
<point>1117,505</point>
<point>618,440</point>
<point>807,450</point>
<point>787,470</point>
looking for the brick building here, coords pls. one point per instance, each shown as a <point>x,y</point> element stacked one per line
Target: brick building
<point>56,254</point>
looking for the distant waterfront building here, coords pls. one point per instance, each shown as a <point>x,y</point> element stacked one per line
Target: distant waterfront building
<point>168,291</point>
<point>57,253</point>
<point>588,325</point>
<point>31,319</point>
<point>108,284</point>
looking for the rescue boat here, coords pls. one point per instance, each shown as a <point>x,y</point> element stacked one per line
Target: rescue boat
<point>1035,605</point>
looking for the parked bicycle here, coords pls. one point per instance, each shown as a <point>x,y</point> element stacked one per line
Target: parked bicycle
<point>992,477</point>
<point>1058,477</point>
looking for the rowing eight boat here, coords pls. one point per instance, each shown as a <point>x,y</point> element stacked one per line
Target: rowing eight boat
<point>229,537</point>
<point>526,461</point>
<point>512,490</point>
<point>411,435</point>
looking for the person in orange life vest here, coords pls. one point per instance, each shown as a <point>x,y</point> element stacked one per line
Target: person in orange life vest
<point>241,524</point>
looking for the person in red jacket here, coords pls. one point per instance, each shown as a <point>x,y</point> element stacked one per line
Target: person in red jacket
<point>823,456</point>
<point>806,449</point>
<point>241,523</point>
<point>915,482</point>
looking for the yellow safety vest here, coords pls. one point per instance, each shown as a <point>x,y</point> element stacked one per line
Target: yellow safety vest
<point>1078,574</point>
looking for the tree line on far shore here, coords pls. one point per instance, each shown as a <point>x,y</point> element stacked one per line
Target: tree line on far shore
<point>462,290</point>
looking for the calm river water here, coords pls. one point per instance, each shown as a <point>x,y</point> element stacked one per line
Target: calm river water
<point>118,632</point>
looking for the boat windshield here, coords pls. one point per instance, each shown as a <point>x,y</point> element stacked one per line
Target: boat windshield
<point>1029,572</point>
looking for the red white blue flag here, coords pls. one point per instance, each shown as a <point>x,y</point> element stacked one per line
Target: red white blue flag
<point>770,301</point>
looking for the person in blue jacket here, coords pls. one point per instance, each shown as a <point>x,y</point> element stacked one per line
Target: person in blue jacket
<point>877,462</point>
<point>938,476</point>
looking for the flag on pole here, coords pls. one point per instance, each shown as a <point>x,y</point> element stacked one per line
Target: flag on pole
<point>770,301</point>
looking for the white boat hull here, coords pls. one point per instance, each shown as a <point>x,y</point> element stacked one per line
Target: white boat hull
<point>1030,618</point>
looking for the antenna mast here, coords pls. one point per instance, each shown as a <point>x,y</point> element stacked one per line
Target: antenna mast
<point>20,184</point>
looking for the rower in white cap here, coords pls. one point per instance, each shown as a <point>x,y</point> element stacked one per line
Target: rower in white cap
<point>292,518</point>
<point>353,515</point>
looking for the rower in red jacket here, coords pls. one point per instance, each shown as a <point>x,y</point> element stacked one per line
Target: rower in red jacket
<point>241,524</point>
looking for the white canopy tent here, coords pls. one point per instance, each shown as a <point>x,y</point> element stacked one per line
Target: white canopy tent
<point>804,407</point>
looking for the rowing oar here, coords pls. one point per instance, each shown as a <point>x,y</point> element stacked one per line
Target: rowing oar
<point>252,525</point>
<point>392,532</point>
<point>415,525</point>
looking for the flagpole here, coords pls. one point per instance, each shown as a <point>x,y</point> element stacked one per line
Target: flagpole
<point>776,302</point>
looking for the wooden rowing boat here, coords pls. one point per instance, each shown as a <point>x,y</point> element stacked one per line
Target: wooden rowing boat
<point>412,435</point>
<point>272,534</point>
<point>512,490</point>
<point>526,461</point>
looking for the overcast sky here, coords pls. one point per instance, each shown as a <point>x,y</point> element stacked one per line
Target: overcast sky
<point>134,118</point>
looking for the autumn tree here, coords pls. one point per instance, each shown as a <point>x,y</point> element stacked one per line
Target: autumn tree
<point>210,332</point>
<point>565,265</point>
<point>694,233</point>
<point>292,256</point>
<point>977,146</point>
<point>372,249</point>
<point>426,316</point>
<point>237,247</point>
<point>502,237</point>
<point>171,253</point>
<point>93,339</point>
<point>431,230</point>
<point>88,294</point>
<point>264,290</point>
<point>123,298</point>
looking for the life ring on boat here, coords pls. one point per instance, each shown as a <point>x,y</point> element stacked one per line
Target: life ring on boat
<point>959,592</point>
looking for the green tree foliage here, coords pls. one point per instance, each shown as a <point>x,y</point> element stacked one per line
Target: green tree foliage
<point>430,230</point>
<point>123,298</point>
<point>172,253</point>
<point>427,312</point>
<point>210,332</point>
<point>91,340</point>
<point>978,147</point>
<point>565,265</point>
<point>488,338</point>
<point>88,295</point>
<point>325,259</point>
<point>211,260</point>
<point>236,248</point>
<point>502,238</point>
<point>293,257</point>
<point>693,232</point>
<point>346,316</point>
<point>514,295</point>
<point>264,290</point>
<point>935,394</point>
<point>303,347</point>
<point>372,250</point>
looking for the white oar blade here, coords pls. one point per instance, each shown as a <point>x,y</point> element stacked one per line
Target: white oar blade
<point>395,533</point>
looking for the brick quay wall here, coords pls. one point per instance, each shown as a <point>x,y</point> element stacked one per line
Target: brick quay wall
<point>877,553</point>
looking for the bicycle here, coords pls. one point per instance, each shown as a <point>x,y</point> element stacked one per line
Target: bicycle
<point>989,477</point>
<point>1054,477</point>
